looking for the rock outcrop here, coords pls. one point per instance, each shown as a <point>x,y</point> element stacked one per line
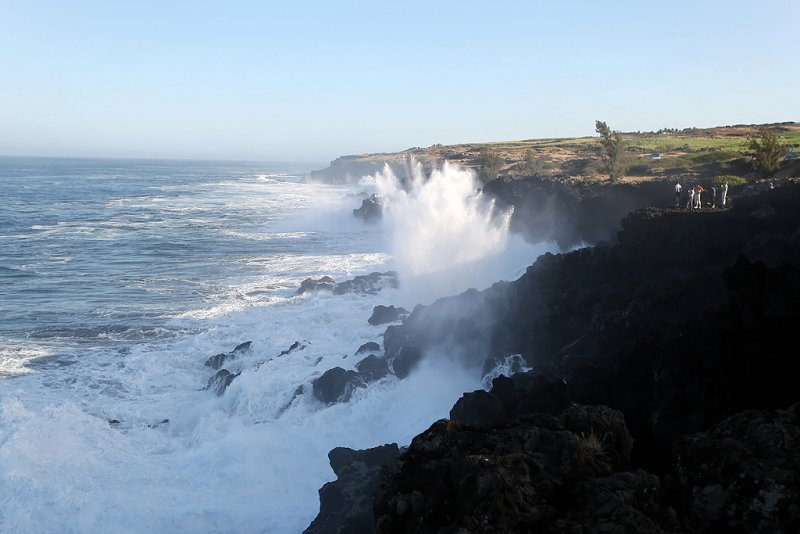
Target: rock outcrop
<point>386,314</point>
<point>541,473</point>
<point>345,505</point>
<point>371,209</point>
<point>572,213</point>
<point>743,474</point>
<point>368,284</point>
<point>662,395</point>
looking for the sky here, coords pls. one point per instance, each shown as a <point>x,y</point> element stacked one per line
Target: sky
<point>309,81</point>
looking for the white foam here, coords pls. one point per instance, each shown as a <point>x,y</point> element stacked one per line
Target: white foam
<point>253,459</point>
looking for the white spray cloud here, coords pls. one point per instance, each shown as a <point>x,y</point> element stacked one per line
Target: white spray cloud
<point>445,235</point>
<point>442,222</point>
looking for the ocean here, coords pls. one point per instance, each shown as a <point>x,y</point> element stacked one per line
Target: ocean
<point>120,278</point>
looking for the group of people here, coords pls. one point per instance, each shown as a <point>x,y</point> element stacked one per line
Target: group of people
<point>693,201</point>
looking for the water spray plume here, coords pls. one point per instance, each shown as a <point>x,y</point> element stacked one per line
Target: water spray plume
<point>440,223</point>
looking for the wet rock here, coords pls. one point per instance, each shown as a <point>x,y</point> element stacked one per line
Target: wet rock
<point>405,361</point>
<point>372,368</point>
<point>297,345</point>
<point>336,385</point>
<point>220,381</point>
<point>326,283</point>
<point>386,314</point>
<point>369,284</point>
<point>369,346</point>
<point>218,360</point>
<point>371,209</point>
<point>346,503</point>
<point>506,365</point>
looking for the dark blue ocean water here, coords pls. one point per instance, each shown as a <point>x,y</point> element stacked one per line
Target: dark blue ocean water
<point>108,249</point>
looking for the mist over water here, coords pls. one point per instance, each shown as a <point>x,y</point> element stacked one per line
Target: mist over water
<point>445,236</point>
<point>252,459</point>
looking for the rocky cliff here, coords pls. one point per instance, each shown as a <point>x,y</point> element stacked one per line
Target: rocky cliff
<point>681,335</point>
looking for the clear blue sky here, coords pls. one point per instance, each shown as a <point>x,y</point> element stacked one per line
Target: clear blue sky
<point>309,81</point>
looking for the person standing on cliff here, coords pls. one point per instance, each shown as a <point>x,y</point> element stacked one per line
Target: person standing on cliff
<point>724,194</point>
<point>697,190</point>
<point>690,202</point>
<point>677,194</point>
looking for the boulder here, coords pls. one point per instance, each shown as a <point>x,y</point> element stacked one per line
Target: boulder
<point>372,368</point>
<point>297,345</point>
<point>369,346</point>
<point>405,361</point>
<point>386,314</point>
<point>345,505</point>
<point>218,360</point>
<point>479,409</point>
<point>371,209</point>
<point>336,385</point>
<point>220,381</point>
<point>326,283</point>
<point>368,284</point>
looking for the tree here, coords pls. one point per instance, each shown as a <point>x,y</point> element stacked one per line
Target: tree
<point>767,151</point>
<point>613,151</point>
<point>490,164</point>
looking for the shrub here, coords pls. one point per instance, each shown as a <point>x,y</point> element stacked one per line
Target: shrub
<point>490,164</point>
<point>531,165</point>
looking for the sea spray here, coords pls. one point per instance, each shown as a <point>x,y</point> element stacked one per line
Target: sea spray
<point>445,235</point>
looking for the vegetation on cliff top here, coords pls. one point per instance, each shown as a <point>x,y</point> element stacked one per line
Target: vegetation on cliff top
<point>697,153</point>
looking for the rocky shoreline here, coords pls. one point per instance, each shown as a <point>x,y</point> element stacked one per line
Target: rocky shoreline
<point>663,394</point>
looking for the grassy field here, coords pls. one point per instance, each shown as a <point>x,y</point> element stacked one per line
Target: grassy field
<point>695,153</point>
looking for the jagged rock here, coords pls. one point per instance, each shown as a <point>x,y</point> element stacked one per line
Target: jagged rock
<point>369,346</point>
<point>220,381</point>
<point>297,345</point>
<point>368,284</point>
<point>345,505</point>
<point>336,385</point>
<point>218,360</point>
<point>479,409</point>
<point>651,325</point>
<point>386,314</point>
<point>243,347</point>
<point>539,474</point>
<point>554,209</point>
<point>405,361</point>
<point>371,209</point>
<point>325,283</point>
<point>668,325</point>
<point>743,474</point>
<point>372,368</point>
<point>506,365</point>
